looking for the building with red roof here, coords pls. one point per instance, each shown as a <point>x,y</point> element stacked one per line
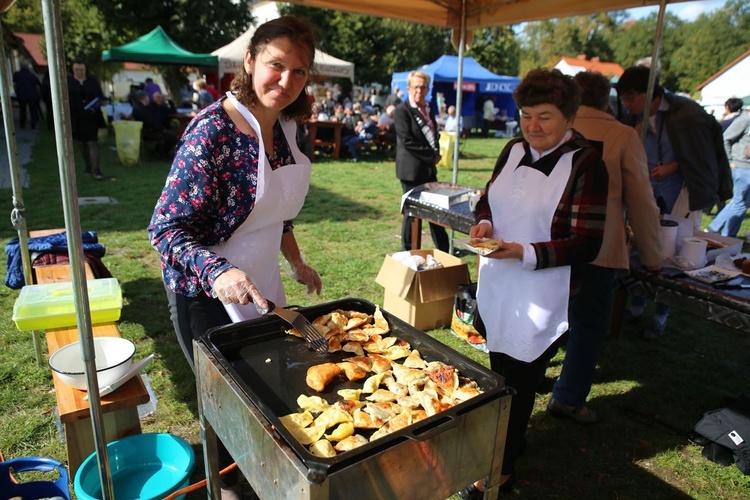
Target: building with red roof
<point>573,65</point>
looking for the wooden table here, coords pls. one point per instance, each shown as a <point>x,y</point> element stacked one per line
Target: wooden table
<point>669,286</point>
<point>119,408</point>
<point>672,287</point>
<point>335,144</point>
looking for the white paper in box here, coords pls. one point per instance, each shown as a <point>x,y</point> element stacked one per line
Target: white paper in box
<point>423,299</point>
<point>427,285</point>
<point>447,196</point>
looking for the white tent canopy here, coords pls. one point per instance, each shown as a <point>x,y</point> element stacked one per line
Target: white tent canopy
<point>232,54</point>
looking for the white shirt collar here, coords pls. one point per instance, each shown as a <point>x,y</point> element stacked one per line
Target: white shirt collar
<point>535,155</point>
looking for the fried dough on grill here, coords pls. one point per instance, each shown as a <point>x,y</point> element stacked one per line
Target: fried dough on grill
<point>379,363</point>
<point>322,448</point>
<point>354,347</point>
<point>319,376</point>
<point>397,395</point>
<point>312,403</point>
<point>347,444</point>
<point>352,370</point>
<point>363,362</point>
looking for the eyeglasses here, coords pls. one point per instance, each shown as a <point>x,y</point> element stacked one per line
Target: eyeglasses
<point>630,97</point>
<point>422,88</point>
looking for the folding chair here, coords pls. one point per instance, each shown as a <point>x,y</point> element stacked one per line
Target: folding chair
<point>57,488</point>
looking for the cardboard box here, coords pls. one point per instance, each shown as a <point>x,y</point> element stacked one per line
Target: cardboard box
<point>718,245</point>
<point>424,299</point>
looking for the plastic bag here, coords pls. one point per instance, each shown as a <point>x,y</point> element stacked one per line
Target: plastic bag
<point>464,314</point>
<point>447,143</point>
<point>128,141</point>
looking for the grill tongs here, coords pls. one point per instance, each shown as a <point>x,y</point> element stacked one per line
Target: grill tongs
<point>302,325</point>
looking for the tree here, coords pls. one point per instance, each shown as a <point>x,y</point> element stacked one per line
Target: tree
<point>710,43</point>
<point>25,17</point>
<point>635,40</point>
<point>378,47</point>
<point>193,24</point>
<point>544,42</point>
<point>85,32</point>
<point>497,50</point>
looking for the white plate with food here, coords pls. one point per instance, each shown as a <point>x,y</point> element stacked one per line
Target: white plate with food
<point>481,246</point>
<point>713,274</point>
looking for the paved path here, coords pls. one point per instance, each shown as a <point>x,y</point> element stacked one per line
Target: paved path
<point>25,140</point>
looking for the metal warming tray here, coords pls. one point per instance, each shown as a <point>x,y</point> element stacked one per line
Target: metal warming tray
<point>251,373</point>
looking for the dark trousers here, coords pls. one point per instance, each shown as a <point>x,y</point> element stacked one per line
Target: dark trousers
<point>192,317</point>
<point>589,316</point>
<point>439,235</point>
<point>525,378</point>
<point>33,107</point>
<point>90,153</point>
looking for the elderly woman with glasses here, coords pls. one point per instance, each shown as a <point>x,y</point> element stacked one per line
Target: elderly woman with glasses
<point>417,150</point>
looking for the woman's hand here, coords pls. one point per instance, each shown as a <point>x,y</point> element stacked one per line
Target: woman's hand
<point>508,250</point>
<point>306,275</point>
<point>481,230</point>
<point>235,286</point>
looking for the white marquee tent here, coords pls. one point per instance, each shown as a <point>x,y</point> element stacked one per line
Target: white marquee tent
<point>232,54</point>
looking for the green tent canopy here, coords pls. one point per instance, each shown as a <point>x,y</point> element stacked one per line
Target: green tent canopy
<point>157,48</point>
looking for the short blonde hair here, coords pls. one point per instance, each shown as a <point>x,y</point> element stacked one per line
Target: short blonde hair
<point>418,74</point>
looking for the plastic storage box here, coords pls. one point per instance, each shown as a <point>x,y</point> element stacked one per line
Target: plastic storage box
<point>39,307</point>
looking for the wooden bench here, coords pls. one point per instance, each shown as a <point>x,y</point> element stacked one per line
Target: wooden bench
<point>119,408</point>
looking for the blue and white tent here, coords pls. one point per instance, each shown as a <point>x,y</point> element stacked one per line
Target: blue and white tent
<point>478,82</point>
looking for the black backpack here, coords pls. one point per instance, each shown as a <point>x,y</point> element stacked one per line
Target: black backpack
<point>728,432</point>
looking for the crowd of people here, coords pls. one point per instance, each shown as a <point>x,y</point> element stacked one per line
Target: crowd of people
<point>560,199</point>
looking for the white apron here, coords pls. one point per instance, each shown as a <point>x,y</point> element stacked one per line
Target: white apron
<point>254,247</point>
<point>524,310</point>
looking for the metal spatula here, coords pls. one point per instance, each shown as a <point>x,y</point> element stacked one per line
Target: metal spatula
<point>302,325</point>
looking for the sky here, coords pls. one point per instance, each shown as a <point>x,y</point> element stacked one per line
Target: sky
<point>687,11</point>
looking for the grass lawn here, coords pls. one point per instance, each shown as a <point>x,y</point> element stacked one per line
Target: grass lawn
<point>650,394</point>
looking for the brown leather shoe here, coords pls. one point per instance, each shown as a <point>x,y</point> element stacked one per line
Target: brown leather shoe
<point>582,415</point>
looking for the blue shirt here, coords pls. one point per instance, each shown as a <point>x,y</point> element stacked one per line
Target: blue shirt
<point>659,151</point>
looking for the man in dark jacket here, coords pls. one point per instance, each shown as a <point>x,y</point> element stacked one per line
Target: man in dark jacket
<point>417,150</point>
<point>687,165</point>
<point>28,91</point>
<point>155,118</point>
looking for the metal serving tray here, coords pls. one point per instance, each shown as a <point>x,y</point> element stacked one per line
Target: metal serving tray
<point>270,367</point>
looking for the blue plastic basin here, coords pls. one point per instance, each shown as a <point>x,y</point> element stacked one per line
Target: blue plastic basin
<point>143,467</point>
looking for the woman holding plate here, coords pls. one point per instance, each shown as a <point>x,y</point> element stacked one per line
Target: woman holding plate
<point>546,200</point>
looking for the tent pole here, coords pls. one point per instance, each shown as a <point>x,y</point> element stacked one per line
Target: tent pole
<point>459,89</point>
<point>18,214</point>
<point>64,142</point>
<point>459,102</point>
<point>654,72</point>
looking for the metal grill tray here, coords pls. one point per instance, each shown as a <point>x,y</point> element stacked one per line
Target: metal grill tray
<point>270,367</point>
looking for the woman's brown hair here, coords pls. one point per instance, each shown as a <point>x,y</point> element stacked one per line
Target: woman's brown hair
<point>303,40</point>
<point>548,86</point>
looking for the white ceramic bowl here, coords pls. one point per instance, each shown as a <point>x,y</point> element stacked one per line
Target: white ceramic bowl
<point>114,357</point>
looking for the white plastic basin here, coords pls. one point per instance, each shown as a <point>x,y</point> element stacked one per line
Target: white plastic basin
<point>114,358</point>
